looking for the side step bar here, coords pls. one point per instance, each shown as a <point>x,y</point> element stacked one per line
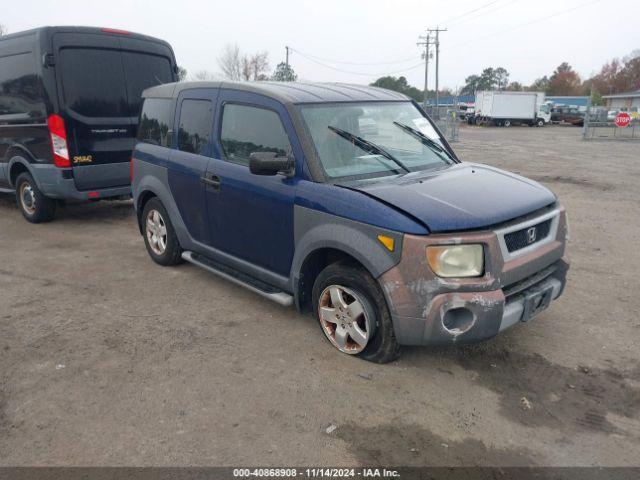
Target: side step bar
<point>239,278</point>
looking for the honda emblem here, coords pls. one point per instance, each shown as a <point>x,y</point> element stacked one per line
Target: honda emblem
<point>531,235</point>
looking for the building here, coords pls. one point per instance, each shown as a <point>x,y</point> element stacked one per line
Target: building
<point>623,101</point>
<point>450,100</point>
<point>568,101</point>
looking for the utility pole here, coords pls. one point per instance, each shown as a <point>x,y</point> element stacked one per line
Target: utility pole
<point>426,42</point>
<point>287,56</point>
<point>437,31</point>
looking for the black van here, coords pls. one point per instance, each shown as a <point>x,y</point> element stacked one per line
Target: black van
<point>70,98</point>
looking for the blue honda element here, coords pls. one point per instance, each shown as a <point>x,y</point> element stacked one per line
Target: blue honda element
<point>345,201</point>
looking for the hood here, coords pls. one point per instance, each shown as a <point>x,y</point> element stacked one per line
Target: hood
<point>462,197</point>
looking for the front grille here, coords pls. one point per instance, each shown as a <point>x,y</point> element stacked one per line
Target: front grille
<point>527,236</point>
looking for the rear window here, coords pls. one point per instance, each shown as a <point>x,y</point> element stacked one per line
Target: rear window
<point>109,83</point>
<point>196,122</point>
<point>144,71</point>
<point>93,82</point>
<point>156,122</point>
<point>20,90</point>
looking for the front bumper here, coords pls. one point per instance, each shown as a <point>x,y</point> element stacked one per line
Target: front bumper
<point>429,310</point>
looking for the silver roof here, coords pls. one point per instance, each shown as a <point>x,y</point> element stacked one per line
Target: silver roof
<point>289,92</point>
<point>623,95</point>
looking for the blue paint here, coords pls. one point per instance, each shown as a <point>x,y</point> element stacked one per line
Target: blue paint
<point>462,197</point>
<point>357,206</point>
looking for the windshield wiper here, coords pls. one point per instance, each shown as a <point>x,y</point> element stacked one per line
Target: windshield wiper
<point>425,140</point>
<point>368,146</point>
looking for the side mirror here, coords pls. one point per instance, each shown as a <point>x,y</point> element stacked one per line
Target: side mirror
<point>269,163</point>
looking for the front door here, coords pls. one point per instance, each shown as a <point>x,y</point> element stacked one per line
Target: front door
<point>251,216</point>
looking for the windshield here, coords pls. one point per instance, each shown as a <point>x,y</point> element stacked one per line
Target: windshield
<point>373,139</point>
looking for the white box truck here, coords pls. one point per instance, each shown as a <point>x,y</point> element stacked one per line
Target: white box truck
<point>502,108</point>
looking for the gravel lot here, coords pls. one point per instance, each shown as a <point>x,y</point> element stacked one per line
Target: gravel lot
<point>109,359</point>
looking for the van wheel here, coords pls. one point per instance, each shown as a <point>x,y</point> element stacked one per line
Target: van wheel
<point>159,235</point>
<point>35,207</point>
<point>353,314</point>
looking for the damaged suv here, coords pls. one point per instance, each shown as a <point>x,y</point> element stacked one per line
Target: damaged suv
<point>346,201</point>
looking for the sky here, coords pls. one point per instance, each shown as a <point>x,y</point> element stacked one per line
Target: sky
<point>357,41</point>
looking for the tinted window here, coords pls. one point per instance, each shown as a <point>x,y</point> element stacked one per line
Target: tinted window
<point>155,122</point>
<point>93,82</point>
<point>251,129</point>
<point>194,135</point>
<point>20,89</point>
<point>143,71</point>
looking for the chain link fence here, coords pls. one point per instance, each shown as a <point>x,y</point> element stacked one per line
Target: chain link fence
<point>600,124</point>
<point>447,119</point>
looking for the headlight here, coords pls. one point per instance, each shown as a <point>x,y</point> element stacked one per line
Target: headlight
<point>456,260</point>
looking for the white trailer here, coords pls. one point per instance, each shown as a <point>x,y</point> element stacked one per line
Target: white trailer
<point>507,108</point>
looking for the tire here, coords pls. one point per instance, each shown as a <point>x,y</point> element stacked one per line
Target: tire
<point>159,235</point>
<point>540,122</point>
<point>362,312</point>
<point>507,123</point>
<point>35,207</point>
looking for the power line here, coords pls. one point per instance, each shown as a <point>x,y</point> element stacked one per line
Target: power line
<point>328,60</point>
<point>446,22</point>
<point>526,24</point>
<point>351,72</point>
<point>464,20</point>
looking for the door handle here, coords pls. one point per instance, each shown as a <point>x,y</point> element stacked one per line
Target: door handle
<point>212,181</point>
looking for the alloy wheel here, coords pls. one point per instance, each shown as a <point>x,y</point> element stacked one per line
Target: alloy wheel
<point>343,319</point>
<point>156,229</point>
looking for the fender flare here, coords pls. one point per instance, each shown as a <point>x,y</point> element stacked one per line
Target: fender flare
<point>316,230</point>
<point>25,163</point>
<point>158,187</point>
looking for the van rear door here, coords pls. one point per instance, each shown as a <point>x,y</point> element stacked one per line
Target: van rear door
<point>99,87</point>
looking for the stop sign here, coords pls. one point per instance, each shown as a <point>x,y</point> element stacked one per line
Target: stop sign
<point>623,119</point>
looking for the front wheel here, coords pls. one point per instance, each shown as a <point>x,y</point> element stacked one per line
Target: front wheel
<point>540,122</point>
<point>353,314</point>
<point>35,207</point>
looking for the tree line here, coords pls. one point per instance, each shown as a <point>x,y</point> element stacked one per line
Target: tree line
<point>616,76</point>
<point>237,66</point>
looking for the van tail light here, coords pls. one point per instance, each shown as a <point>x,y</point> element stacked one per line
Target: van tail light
<point>58,141</point>
<point>131,167</point>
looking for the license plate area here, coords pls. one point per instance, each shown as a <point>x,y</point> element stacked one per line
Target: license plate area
<point>536,301</point>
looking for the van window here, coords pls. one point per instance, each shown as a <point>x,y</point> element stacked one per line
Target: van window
<point>93,82</point>
<point>143,71</point>
<point>248,129</point>
<point>194,134</point>
<point>155,122</point>
<point>20,90</point>
<point>109,83</point>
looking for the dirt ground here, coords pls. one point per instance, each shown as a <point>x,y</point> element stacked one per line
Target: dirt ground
<point>109,359</point>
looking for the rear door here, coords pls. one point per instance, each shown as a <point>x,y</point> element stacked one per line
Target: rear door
<point>190,158</point>
<point>99,87</point>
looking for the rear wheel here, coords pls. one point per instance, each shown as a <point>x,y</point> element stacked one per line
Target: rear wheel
<point>507,123</point>
<point>353,314</point>
<point>35,207</point>
<point>159,235</point>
